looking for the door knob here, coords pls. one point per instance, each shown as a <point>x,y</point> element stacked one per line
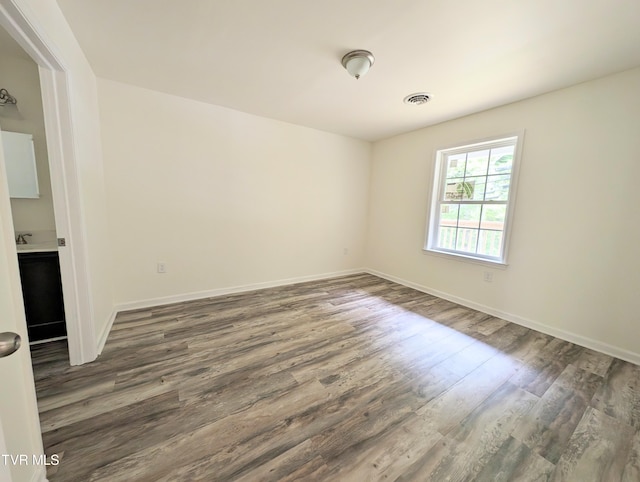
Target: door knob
<point>9,343</point>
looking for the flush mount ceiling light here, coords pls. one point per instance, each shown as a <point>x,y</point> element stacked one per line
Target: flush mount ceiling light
<point>358,62</point>
<point>418,98</point>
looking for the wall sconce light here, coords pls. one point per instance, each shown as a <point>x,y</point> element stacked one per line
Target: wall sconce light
<point>358,62</point>
<point>7,98</point>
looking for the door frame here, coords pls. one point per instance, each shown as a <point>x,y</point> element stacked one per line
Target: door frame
<point>57,102</point>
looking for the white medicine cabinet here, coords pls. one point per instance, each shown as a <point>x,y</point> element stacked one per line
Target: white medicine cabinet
<point>20,161</point>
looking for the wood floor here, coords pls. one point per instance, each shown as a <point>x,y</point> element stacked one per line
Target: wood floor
<point>349,379</point>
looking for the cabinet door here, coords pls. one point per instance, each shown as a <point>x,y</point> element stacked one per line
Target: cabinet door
<point>42,293</point>
<point>20,163</point>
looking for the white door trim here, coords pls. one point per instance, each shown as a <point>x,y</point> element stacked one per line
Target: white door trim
<point>65,185</point>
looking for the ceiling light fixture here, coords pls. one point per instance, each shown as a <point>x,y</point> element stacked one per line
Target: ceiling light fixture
<point>358,62</point>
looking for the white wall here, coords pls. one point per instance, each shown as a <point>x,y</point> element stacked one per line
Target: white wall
<point>574,268</point>
<point>224,198</point>
<point>21,78</point>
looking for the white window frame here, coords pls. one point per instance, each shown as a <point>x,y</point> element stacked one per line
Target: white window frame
<point>438,185</point>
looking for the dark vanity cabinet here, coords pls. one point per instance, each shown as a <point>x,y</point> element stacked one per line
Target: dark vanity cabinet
<point>42,292</point>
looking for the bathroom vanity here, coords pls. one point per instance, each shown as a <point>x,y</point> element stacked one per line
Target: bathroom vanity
<point>42,291</point>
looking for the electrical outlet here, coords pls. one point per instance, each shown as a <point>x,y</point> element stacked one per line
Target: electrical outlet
<point>487,276</point>
<point>162,268</point>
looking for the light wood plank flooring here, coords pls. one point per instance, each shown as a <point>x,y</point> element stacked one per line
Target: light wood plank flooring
<point>348,379</point>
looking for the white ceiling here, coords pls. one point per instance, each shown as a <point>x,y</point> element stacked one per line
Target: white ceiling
<point>281,58</point>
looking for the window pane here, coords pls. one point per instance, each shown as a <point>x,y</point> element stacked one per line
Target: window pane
<point>467,240</point>
<point>477,163</point>
<point>469,216</point>
<point>449,215</point>
<point>447,238</point>
<point>477,185</point>
<point>456,165</point>
<point>489,243</point>
<point>493,216</point>
<point>497,188</point>
<point>458,190</point>
<point>501,160</point>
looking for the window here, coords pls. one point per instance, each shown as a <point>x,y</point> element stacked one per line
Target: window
<point>473,195</point>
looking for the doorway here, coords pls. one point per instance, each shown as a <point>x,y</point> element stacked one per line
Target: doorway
<point>18,409</point>
<point>65,188</point>
<point>24,137</point>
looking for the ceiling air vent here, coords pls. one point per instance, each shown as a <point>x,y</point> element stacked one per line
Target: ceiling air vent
<point>418,98</point>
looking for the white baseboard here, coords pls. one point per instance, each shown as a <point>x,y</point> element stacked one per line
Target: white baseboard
<point>198,295</point>
<point>586,342</point>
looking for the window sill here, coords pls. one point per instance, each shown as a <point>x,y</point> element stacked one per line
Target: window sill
<point>466,259</point>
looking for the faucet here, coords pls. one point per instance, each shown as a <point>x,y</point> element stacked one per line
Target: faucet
<point>20,239</point>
